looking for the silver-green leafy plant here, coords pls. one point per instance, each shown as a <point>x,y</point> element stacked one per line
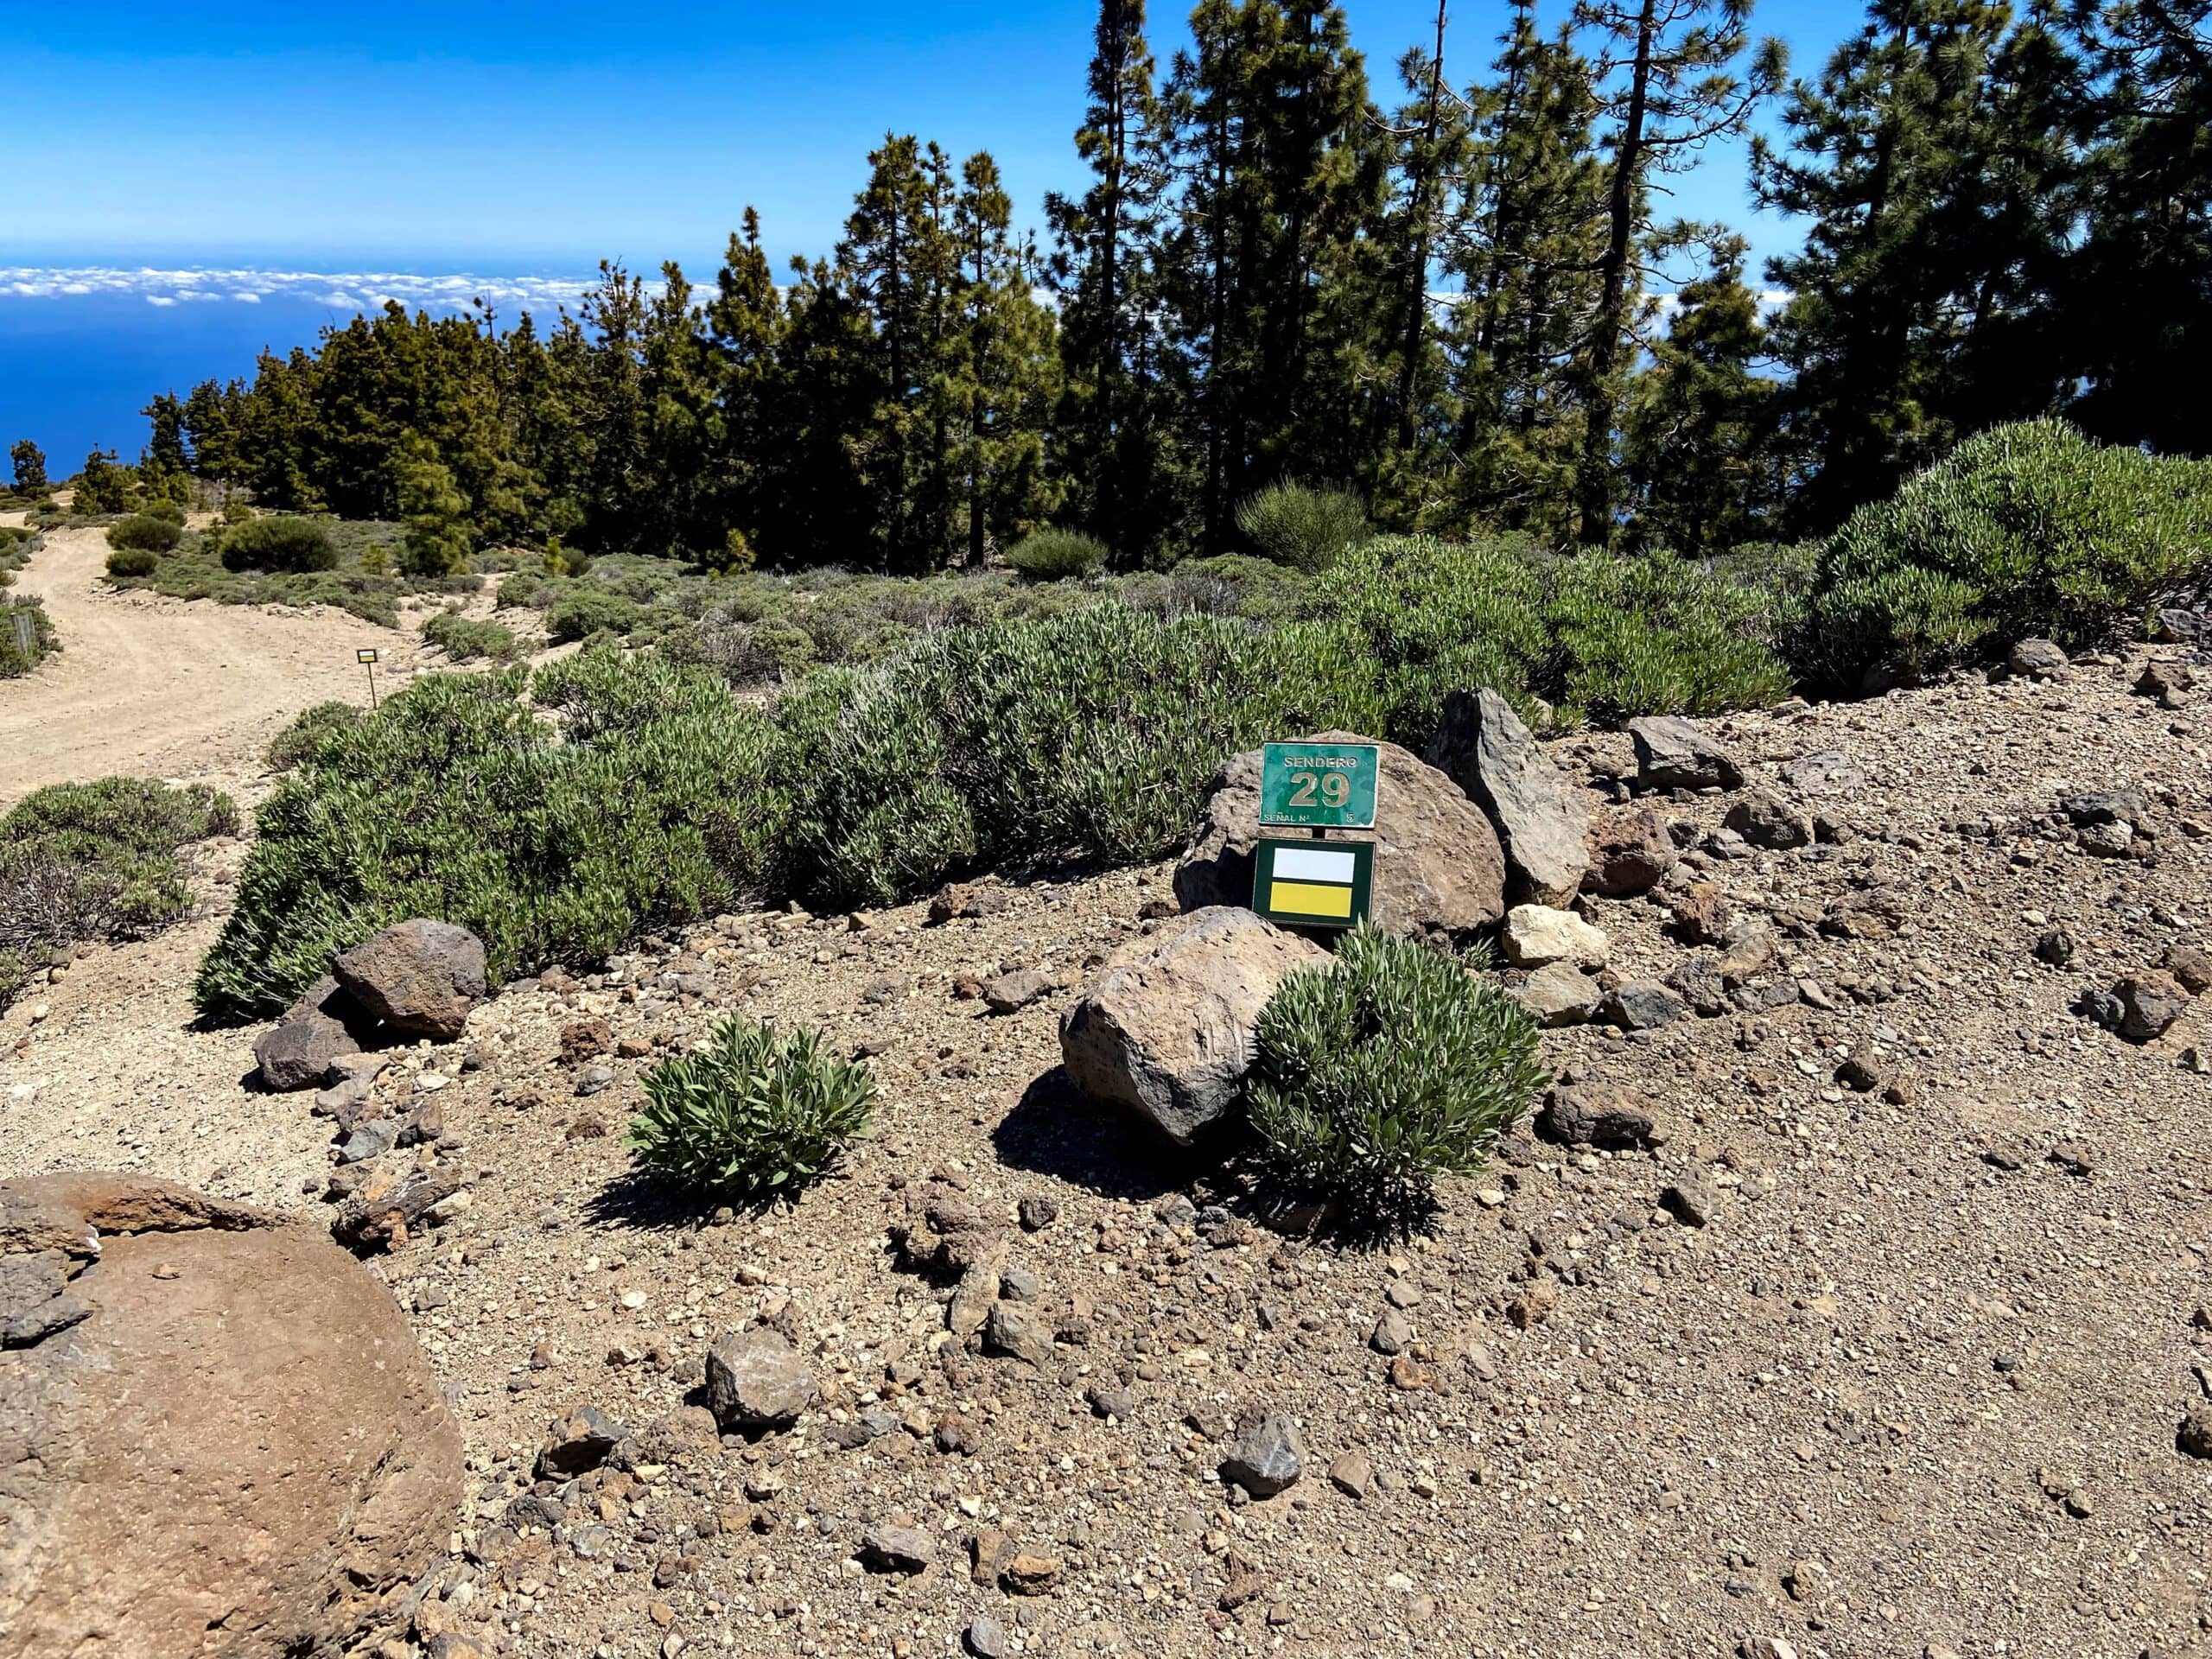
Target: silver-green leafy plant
<point>1384,1070</point>
<point>756,1111</point>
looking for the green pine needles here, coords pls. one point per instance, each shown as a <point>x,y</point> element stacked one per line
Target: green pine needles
<point>757,1111</point>
<point>1385,1070</point>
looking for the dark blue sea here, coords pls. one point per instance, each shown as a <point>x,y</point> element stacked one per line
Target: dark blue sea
<point>84,345</point>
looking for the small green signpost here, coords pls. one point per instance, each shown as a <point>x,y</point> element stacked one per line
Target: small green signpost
<point>1317,785</point>
<point>1313,883</point>
<point>367,659</point>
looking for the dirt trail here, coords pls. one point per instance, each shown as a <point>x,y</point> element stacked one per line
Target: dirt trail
<point>190,690</point>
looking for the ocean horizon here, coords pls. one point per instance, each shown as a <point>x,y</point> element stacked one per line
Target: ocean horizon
<point>86,343</point>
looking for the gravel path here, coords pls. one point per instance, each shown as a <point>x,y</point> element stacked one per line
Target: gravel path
<point>191,691</point>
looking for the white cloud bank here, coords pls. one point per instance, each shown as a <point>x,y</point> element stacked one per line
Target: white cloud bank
<point>338,290</point>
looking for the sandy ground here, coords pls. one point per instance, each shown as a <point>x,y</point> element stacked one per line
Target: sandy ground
<point>189,692</point>
<point>1911,1392</point>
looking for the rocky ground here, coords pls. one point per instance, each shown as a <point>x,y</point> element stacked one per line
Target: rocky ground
<point>1878,1341</point>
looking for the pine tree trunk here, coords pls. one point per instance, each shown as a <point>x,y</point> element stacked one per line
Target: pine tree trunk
<point>1593,481</point>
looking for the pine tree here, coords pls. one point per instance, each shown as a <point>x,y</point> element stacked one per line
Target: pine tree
<point>748,329</point>
<point>1697,424</point>
<point>103,487</point>
<point>439,536</point>
<point>1884,154</point>
<point>28,461</point>
<point>165,468</point>
<point>1119,437</point>
<point>1665,89</point>
<point>1525,247</point>
<point>213,412</point>
<point>2136,312</point>
<point>1008,375</point>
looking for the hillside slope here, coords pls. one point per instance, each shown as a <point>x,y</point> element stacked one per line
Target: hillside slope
<point>1912,1387</point>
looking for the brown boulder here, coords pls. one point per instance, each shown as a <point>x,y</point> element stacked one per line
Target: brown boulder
<point>1629,853</point>
<point>224,1443</point>
<point>299,1050</point>
<point>419,977</point>
<point>1439,869</point>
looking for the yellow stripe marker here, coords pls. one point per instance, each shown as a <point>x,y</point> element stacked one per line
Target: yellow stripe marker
<point>1308,899</point>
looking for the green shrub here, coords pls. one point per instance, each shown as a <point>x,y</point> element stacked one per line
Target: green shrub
<point>455,801</point>
<point>305,734</point>
<point>2027,528</point>
<point>237,512</point>
<point>281,544</point>
<point>754,1111</point>
<point>1302,527</point>
<point>97,861</point>
<point>584,611</point>
<point>467,639</point>
<point>1389,1066</point>
<point>133,561</point>
<point>162,508</point>
<point>1056,555</point>
<point>145,532</point>
<point>1228,584</point>
<point>14,661</point>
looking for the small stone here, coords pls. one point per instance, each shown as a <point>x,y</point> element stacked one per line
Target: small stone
<point>1765,820</point>
<point>1039,1213</point>
<point>986,1637</point>
<point>1118,1403</point>
<point>2191,965</point>
<point>2194,1437</point>
<point>1536,936</point>
<point>1589,1115</point>
<point>1014,1330</point>
<point>1702,914</point>
<point>756,1380</point>
<point>2037,660</point>
<point>1265,1458</point>
<point>1629,853</point>
<point>958,1435</point>
<point>1532,1306</point>
<point>1011,992</point>
<point>1642,1005</point>
<point>1391,1334</point>
<point>1690,1199</point>
<point>2106,840</point>
<point>2149,1002</point>
<point>372,1138</point>
<point>1029,1575</point>
<point>890,1548</point>
<point>1560,994</point>
<point>1351,1474</point>
<point>579,1442</point>
<point>1675,753</point>
<point>2055,947</point>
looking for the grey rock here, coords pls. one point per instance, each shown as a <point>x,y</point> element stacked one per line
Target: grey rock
<point>1674,753</point>
<point>1560,994</point>
<point>2036,659</point>
<point>2101,1006</point>
<point>889,1549</point>
<point>1165,1030</point>
<point>1011,992</point>
<point>372,1138</point>
<point>1641,1004</point>
<point>1767,821</point>
<point>1039,1213</point>
<point>986,1637</point>
<point>2106,840</point>
<point>756,1380</point>
<point>2174,624</point>
<point>1176,1209</point>
<point>1690,1198</point>
<point>595,1080</point>
<point>1439,872</point>
<point>420,977</point>
<point>2129,806</point>
<point>1764,999</point>
<point>1391,1333</point>
<point>2194,1437</point>
<point>593,1542</point>
<point>1697,979</point>
<point>385,1210</point>
<point>1117,1403</point>
<point>1482,746</point>
<point>297,1053</point>
<point>1019,1284</point>
<point>579,1443</point>
<point>2150,1002</point>
<point>1265,1458</point>
<point>1592,1114</point>
<point>532,1513</point>
<point>344,1100</point>
<point>1017,1333</point>
<point>1824,771</point>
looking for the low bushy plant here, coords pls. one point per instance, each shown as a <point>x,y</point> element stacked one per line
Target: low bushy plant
<point>465,639</point>
<point>305,734</point>
<point>14,660</point>
<point>754,1111</point>
<point>1304,528</point>
<point>583,610</point>
<point>164,508</point>
<point>133,561</point>
<point>1056,555</point>
<point>2026,529</point>
<point>97,861</point>
<point>145,532</point>
<point>281,543</point>
<point>1388,1067</point>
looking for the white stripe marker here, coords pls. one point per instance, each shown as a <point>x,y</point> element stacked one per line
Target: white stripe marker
<point>1313,864</point>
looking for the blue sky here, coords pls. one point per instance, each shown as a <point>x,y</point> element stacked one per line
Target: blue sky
<point>406,135</point>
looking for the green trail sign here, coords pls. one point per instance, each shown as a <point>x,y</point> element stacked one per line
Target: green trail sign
<point>1317,785</point>
<point>1313,883</point>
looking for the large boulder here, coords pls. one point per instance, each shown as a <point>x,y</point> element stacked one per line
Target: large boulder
<point>1438,870</point>
<point>1482,746</point>
<point>1165,1030</point>
<point>299,1050</point>
<point>420,978</point>
<point>1674,753</point>
<point>220,1437</point>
